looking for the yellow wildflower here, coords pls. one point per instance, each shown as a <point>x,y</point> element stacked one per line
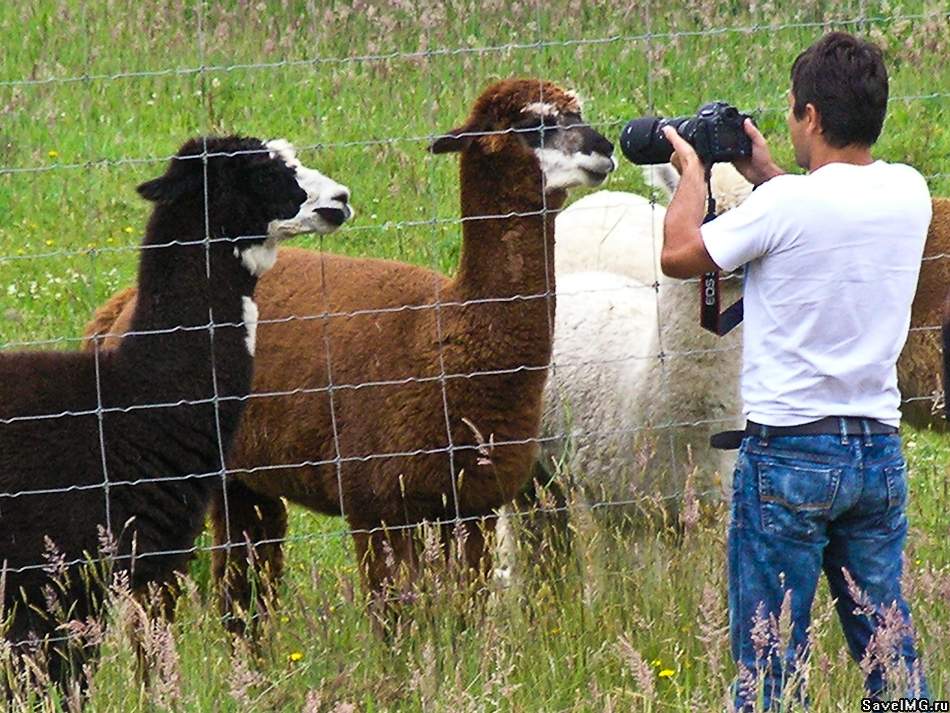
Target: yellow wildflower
<point>53,153</point>
<point>49,243</point>
<point>666,673</point>
<point>128,229</point>
<point>655,662</point>
<point>295,656</point>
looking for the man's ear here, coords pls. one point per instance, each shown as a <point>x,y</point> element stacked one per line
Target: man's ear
<point>458,139</point>
<point>813,117</point>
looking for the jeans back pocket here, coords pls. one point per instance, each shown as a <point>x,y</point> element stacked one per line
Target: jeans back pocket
<point>895,478</point>
<point>795,499</point>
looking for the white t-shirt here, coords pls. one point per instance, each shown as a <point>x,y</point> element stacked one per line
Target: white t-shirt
<point>832,260</point>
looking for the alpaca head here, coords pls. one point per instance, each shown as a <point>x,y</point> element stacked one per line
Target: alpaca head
<point>328,203</point>
<point>541,122</point>
<point>236,188</point>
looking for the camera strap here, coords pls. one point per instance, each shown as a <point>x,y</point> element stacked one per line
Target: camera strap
<point>710,318</point>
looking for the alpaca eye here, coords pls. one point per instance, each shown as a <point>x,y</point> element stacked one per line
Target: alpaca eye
<point>263,179</point>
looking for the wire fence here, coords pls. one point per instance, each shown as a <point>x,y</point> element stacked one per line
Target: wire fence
<point>344,453</point>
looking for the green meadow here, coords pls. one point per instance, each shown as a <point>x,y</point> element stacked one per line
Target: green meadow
<point>94,98</point>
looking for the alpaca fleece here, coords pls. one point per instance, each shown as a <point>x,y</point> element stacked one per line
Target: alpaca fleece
<point>115,453</point>
<point>919,372</point>
<point>374,339</point>
<point>628,417</point>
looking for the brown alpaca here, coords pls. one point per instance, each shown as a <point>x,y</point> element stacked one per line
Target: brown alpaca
<point>434,405</point>
<point>919,367</point>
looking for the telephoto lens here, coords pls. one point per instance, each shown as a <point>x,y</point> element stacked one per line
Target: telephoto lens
<point>715,131</point>
<point>642,140</point>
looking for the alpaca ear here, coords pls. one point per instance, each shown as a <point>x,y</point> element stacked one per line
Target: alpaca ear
<point>456,140</point>
<point>168,189</point>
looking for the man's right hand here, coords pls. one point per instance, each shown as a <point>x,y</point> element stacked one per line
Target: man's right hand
<point>759,167</point>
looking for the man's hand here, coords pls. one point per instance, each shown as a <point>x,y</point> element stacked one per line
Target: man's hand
<point>684,254</point>
<point>759,167</point>
<point>684,157</point>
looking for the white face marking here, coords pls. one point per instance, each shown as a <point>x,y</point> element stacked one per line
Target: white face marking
<point>563,170</point>
<point>324,195</point>
<point>284,149</point>
<point>260,258</point>
<point>250,323</point>
<point>541,109</point>
<point>575,97</point>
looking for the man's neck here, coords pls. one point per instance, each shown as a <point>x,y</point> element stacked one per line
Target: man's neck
<point>854,154</point>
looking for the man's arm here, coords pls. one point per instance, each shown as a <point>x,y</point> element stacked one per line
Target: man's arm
<point>759,167</point>
<point>684,254</point>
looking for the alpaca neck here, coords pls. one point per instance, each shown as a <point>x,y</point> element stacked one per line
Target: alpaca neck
<point>511,255</point>
<point>181,287</point>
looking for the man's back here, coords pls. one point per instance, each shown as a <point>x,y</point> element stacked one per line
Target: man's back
<point>832,260</point>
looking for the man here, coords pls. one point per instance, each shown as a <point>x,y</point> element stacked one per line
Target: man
<point>831,262</point>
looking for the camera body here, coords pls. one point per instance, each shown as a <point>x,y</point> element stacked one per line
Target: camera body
<point>716,132</point>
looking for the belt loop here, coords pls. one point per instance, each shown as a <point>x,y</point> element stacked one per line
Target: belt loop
<point>843,425</point>
<point>866,429</point>
<point>763,435</point>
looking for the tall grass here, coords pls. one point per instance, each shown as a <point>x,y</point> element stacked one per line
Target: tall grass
<point>631,621</point>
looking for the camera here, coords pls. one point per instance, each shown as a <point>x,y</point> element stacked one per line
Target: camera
<point>716,132</point>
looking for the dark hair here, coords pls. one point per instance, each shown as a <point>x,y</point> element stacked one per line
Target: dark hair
<point>845,79</point>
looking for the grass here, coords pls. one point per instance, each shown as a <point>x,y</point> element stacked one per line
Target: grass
<point>144,76</point>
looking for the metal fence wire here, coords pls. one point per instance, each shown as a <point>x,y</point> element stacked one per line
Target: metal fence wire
<point>17,175</point>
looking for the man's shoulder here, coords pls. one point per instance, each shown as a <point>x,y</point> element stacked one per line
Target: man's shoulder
<point>904,175</point>
<point>893,183</point>
<point>904,187</point>
<point>778,195</point>
<point>899,168</point>
<point>781,186</point>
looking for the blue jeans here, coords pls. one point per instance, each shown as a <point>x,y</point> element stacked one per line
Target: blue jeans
<point>800,505</point>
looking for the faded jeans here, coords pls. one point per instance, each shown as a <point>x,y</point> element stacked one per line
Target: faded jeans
<point>800,505</point>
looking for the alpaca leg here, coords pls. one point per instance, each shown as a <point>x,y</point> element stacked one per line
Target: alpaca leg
<point>541,519</point>
<point>36,643</point>
<point>387,562</point>
<point>467,543</point>
<point>252,562</point>
<point>506,549</point>
<point>157,602</point>
<point>69,671</point>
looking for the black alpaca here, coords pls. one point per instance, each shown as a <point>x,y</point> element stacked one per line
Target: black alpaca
<point>170,401</point>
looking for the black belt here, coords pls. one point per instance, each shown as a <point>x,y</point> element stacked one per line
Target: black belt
<point>830,425</point>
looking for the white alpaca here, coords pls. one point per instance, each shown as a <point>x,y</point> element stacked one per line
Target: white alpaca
<point>636,384</point>
<point>610,230</point>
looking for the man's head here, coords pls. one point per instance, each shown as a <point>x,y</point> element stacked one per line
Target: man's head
<point>838,95</point>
